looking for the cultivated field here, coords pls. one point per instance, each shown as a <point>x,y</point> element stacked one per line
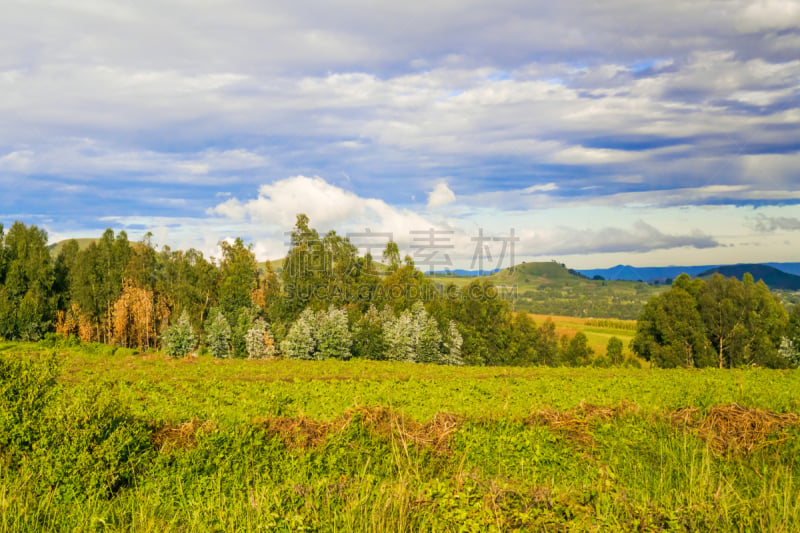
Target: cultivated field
<point>148,443</point>
<point>597,331</point>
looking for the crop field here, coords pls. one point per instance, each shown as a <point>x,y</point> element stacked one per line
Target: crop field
<point>597,331</point>
<point>95,440</point>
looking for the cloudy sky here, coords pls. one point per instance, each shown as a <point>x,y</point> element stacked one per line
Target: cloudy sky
<point>647,133</point>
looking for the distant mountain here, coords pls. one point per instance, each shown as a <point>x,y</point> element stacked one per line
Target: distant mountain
<point>789,268</point>
<point>774,278</point>
<point>662,274</point>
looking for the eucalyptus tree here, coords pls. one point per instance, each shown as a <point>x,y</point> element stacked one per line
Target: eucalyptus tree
<point>27,304</point>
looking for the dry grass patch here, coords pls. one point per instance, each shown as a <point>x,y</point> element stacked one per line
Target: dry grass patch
<point>733,429</point>
<point>181,436</point>
<point>304,433</point>
<point>577,423</point>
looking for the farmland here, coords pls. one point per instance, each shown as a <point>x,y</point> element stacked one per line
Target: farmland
<point>552,288</point>
<point>597,331</point>
<point>146,443</point>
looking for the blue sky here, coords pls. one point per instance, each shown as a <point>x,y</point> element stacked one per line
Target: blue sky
<point>619,132</point>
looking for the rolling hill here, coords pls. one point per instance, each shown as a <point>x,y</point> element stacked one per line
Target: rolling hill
<point>55,248</point>
<point>774,278</point>
<point>549,288</point>
<point>662,274</point>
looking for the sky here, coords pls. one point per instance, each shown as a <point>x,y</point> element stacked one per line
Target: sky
<point>473,133</point>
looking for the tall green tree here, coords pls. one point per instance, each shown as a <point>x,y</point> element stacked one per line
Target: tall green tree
<point>723,322</point>
<point>671,333</point>
<point>188,281</point>
<point>27,304</point>
<point>239,276</point>
<point>745,323</point>
<point>95,280</point>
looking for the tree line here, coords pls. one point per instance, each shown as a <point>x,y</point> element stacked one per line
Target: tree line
<point>330,302</point>
<point>326,302</point>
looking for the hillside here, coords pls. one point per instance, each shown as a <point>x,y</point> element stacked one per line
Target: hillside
<point>774,278</point>
<point>55,248</point>
<point>549,288</point>
<point>666,273</point>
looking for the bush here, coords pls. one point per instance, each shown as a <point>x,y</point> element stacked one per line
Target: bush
<point>179,339</point>
<point>601,362</point>
<point>55,340</point>
<point>218,335</point>
<point>614,351</point>
<point>368,338</point>
<point>632,362</point>
<point>332,335</point>
<point>260,343</point>
<point>93,447</point>
<point>26,389</point>
<point>299,342</point>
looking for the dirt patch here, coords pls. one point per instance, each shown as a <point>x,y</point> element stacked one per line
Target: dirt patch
<point>182,436</point>
<point>732,429</point>
<point>305,433</point>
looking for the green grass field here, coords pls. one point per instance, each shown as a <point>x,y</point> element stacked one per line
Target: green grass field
<point>147,443</point>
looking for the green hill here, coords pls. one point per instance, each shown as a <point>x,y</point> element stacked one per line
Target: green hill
<point>537,272</point>
<point>550,288</point>
<point>774,278</point>
<point>56,248</point>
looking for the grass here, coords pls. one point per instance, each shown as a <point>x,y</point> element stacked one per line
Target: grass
<point>233,445</point>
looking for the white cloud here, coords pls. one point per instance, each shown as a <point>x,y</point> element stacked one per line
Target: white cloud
<point>327,206</point>
<point>762,15</point>
<point>441,195</point>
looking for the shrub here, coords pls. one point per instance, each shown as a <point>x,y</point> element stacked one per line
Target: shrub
<point>614,351</point>
<point>368,338</point>
<point>26,388</point>
<point>332,335</point>
<point>91,447</point>
<point>179,339</point>
<point>218,335</point>
<point>452,344</point>
<point>299,342</point>
<point>260,343</point>
<point>430,341</point>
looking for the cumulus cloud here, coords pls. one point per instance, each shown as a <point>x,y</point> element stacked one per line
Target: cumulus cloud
<point>328,206</point>
<point>441,195</point>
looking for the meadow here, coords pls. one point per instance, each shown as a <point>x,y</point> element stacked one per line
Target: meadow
<point>98,438</point>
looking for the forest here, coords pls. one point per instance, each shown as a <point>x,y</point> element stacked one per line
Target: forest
<point>327,302</point>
